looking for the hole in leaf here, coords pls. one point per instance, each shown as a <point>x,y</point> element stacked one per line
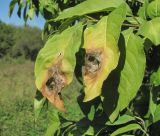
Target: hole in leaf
<point>56,81</point>
<point>92,62</point>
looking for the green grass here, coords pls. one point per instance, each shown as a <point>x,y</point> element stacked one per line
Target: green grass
<point>17,92</point>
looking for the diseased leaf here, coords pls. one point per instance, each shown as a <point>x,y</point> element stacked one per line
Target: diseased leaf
<point>151,30</point>
<point>153,9</point>
<point>89,6</point>
<point>132,73</point>
<point>126,128</point>
<point>155,78</point>
<point>55,64</point>
<point>102,53</point>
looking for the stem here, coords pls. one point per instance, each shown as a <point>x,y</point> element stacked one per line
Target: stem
<point>91,18</point>
<point>136,20</point>
<point>143,124</point>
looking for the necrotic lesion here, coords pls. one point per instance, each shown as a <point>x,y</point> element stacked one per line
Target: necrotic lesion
<point>92,62</point>
<point>56,80</point>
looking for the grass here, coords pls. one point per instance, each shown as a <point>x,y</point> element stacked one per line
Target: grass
<point>17,92</point>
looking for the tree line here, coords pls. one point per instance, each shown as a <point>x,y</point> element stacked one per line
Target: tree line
<point>16,41</point>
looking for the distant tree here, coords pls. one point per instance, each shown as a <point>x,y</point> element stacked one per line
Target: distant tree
<point>17,42</point>
<point>6,38</point>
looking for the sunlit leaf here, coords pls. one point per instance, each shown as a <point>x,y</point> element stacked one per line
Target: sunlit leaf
<point>38,104</point>
<point>151,30</point>
<point>122,120</point>
<point>127,128</point>
<point>102,53</point>
<point>89,6</point>
<point>55,64</point>
<point>142,12</point>
<point>155,78</point>
<point>157,114</point>
<point>132,73</point>
<point>54,123</point>
<point>153,9</point>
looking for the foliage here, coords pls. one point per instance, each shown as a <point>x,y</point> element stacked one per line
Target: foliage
<point>18,42</point>
<point>114,63</point>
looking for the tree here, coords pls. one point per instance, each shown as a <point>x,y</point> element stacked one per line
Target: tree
<point>18,42</point>
<point>99,66</point>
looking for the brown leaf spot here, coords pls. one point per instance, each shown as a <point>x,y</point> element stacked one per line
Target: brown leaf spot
<point>55,82</point>
<point>93,61</point>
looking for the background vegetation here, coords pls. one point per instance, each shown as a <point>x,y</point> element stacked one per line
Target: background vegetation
<point>18,49</point>
<point>15,42</point>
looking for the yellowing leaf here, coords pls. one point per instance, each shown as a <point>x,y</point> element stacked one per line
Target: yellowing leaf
<point>55,64</point>
<point>102,53</point>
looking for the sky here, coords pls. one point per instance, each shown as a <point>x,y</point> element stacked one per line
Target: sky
<point>14,19</point>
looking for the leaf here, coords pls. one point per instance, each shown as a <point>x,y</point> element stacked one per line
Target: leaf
<point>55,64</point>
<point>89,6</point>
<point>122,120</point>
<point>151,30</point>
<point>152,105</point>
<point>142,12</point>
<point>31,13</point>
<point>135,20</point>
<point>91,113</point>
<point>157,114</point>
<point>102,53</point>
<point>126,128</point>
<point>89,132</point>
<point>132,73</point>
<point>11,7</point>
<point>155,78</point>
<point>153,9</point>
<point>38,104</point>
<point>54,123</point>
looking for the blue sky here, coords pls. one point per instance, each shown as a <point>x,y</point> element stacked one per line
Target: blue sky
<point>14,19</point>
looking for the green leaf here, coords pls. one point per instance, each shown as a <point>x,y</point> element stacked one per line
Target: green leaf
<point>142,12</point>
<point>11,6</point>
<point>152,105</point>
<point>153,9</point>
<point>135,20</point>
<point>155,78</point>
<point>126,128</point>
<point>38,104</point>
<point>121,120</point>
<point>132,73</point>
<point>54,123</point>
<point>89,132</point>
<point>151,30</point>
<point>91,113</point>
<point>58,55</point>
<point>157,114</point>
<point>31,13</point>
<point>89,6</point>
<point>100,42</point>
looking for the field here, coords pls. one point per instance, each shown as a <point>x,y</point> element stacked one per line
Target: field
<point>17,92</point>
